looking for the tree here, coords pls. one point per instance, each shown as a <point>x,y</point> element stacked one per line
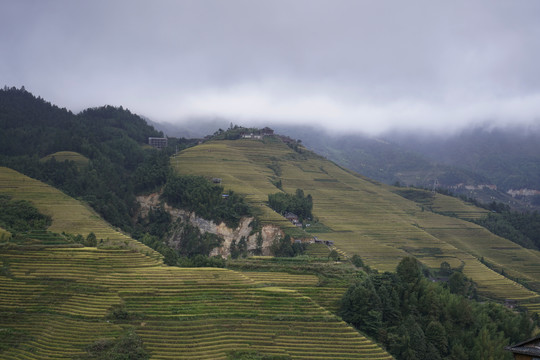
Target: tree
<point>436,335</point>
<point>357,261</point>
<point>409,270</point>
<point>445,269</point>
<point>361,307</point>
<point>91,240</point>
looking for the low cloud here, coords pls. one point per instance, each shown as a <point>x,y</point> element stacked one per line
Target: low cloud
<point>347,65</point>
<point>287,104</point>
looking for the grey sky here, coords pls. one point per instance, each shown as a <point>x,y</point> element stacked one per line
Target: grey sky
<point>348,65</point>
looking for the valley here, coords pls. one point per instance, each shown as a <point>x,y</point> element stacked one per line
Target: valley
<point>57,300</point>
<point>177,253</point>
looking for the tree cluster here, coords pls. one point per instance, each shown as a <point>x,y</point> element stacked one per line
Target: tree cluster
<point>21,216</point>
<point>283,247</point>
<point>417,319</point>
<point>207,200</point>
<point>298,204</point>
<point>128,346</point>
<point>521,228</point>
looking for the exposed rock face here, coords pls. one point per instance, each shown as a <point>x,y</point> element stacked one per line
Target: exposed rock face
<point>269,233</point>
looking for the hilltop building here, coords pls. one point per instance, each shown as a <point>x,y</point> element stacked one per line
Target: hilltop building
<point>157,142</point>
<point>526,350</point>
<point>251,136</point>
<point>258,134</point>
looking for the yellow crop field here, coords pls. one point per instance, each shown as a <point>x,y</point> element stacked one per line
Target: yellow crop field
<point>55,301</point>
<point>60,156</point>
<point>68,215</point>
<point>365,217</point>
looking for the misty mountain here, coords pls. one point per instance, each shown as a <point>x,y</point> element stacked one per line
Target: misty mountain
<point>190,129</point>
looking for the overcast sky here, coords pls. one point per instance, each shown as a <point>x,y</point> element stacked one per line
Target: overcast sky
<point>356,65</point>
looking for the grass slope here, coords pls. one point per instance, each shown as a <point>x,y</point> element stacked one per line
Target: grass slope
<point>4,234</point>
<point>60,156</point>
<point>366,217</point>
<point>55,301</point>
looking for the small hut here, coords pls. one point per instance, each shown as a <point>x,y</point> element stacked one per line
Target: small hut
<point>526,350</point>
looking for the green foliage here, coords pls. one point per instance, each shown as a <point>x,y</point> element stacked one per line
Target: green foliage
<point>126,347</point>
<point>461,285</point>
<point>356,260</point>
<point>417,195</point>
<point>417,319</point>
<point>109,137</point>
<point>91,240</point>
<point>409,270</point>
<point>197,194</point>
<point>521,228</point>
<point>190,247</point>
<point>20,215</point>
<point>189,242</point>
<point>283,247</point>
<point>119,313</point>
<point>253,355</point>
<point>298,204</point>
<point>334,255</point>
<point>259,245</point>
<point>12,337</point>
<point>201,261</point>
<point>240,249</point>
<point>193,242</point>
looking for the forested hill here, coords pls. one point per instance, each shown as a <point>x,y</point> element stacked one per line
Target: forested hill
<point>33,126</point>
<point>111,139</point>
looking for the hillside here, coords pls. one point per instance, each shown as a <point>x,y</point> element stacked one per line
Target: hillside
<point>365,217</point>
<point>56,301</point>
<point>462,163</point>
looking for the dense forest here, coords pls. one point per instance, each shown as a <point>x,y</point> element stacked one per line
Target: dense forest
<point>416,319</point>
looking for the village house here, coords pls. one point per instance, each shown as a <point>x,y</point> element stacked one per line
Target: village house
<point>257,135</point>
<point>510,303</point>
<point>291,217</point>
<point>157,142</point>
<point>526,350</point>
<point>251,136</point>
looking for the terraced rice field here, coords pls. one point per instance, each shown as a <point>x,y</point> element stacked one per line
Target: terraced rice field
<point>55,301</point>
<point>365,217</point>
<point>68,215</point>
<point>317,250</point>
<point>456,207</point>
<point>326,295</point>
